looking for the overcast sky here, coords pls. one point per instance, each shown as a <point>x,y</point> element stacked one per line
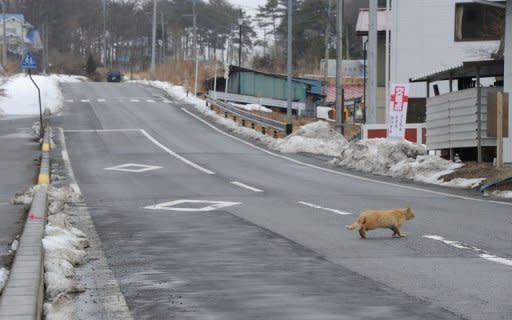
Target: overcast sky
<point>248,5</point>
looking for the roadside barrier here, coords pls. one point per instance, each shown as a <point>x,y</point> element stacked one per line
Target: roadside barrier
<point>267,125</point>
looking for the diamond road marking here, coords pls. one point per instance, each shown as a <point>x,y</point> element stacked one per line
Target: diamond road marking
<point>133,167</point>
<point>207,205</point>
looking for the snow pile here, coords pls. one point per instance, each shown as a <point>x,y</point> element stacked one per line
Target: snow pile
<point>252,107</point>
<point>502,194</point>
<point>64,248</point>
<point>317,137</point>
<point>402,160</point>
<point>21,95</point>
<point>25,196</point>
<point>4,275</point>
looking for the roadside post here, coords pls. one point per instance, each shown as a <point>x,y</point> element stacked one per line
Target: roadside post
<point>28,62</point>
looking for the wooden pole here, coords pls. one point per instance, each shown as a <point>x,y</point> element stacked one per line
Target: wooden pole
<point>499,131</point>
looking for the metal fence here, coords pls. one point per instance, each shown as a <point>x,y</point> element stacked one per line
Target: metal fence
<point>246,115</point>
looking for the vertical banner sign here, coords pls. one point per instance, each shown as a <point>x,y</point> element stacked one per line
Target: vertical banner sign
<point>398,111</point>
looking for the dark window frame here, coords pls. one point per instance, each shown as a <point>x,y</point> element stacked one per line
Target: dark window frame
<point>476,7</point>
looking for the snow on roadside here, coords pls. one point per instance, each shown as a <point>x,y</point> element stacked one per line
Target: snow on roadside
<point>4,275</point>
<point>379,156</point>
<point>502,194</point>
<point>21,95</point>
<point>64,248</point>
<point>252,107</point>
<point>317,137</point>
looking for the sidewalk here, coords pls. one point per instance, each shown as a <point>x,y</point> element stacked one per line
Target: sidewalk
<point>18,170</point>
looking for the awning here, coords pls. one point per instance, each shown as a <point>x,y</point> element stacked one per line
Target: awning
<point>468,69</point>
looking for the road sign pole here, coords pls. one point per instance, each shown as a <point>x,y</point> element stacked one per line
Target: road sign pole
<point>41,126</point>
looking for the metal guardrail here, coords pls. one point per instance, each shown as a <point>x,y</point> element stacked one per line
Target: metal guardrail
<point>262,121</point>
<point>256,100</point>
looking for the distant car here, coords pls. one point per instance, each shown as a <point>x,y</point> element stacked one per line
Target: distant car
<point>114,76</point>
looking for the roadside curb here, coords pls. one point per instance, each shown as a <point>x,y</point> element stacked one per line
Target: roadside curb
<point>23,295</point>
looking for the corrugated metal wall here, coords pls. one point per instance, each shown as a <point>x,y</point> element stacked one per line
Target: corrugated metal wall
<point>452,120</point>
<point>260,85</point>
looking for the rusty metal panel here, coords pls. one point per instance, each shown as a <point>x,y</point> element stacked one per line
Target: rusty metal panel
<point>492,107</point>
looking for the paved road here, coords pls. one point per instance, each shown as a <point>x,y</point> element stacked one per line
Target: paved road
<point>273,245</point>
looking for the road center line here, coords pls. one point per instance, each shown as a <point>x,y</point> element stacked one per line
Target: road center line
<point>481,253</point>
<point>243,185</point>
<point>174,154</point>
<point>312,205</point>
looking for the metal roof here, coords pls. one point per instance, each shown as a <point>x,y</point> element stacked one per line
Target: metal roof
<point>467,69</point>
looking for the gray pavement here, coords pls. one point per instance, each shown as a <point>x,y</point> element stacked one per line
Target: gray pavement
<point>269,256</point>
<point>18,170</point>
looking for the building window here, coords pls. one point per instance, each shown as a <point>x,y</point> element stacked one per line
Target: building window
<point>478,22</point>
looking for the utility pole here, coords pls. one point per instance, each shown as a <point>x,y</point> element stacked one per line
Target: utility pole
<point>327,38</point>
<point>4,38</point>
<point>289,123</point>
<point>153,42</point>
<point>339,69</point>
<point>194,18</point>
<point>104,32</point>
<point>162,49</point>
<point>371,106</point>
<point>387,48</point>
<point>240,22</point>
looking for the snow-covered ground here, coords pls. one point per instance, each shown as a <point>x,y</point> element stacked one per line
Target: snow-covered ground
<point>21,97</point>
<point>4,274</point>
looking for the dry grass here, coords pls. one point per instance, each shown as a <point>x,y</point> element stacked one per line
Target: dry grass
<point>483,170</point>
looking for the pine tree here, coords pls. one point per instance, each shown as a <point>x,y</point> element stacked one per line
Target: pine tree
<point>90,66</point>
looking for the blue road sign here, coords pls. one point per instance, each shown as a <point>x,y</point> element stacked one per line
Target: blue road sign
<point>28,61</point>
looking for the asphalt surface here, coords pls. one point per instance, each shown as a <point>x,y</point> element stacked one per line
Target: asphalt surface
<point>279,250</point>
<point>19,153</point>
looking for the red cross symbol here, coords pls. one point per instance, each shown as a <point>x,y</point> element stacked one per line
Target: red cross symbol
<point>398,98</point>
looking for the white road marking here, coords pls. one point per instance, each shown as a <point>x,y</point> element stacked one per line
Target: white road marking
<point>207,205</point>
<point>85,100</point>
<point>134,100</point>
<point>243,185</point>
<point>174,154</point>
<point>101,100</point>
<point>102,130</point>
<point>150,101</point>
<point>69,100</point>
<point>133,167</point>
<point>312,205</point>
<point>480,252</point>
<point>156,142</point>
<point>312,166</point>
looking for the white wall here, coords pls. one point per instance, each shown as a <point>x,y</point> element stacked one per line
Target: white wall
<point>422,33</point>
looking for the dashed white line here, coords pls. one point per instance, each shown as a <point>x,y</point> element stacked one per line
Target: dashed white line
<point>150,101</point>
<point>312,205</point>
<point>69,100</point>
<point>243,185</point>
<point>85,100</point>
<point>480,252</point>
<point>101,100</point>
<point>101,130</point>
<point>134,100</point>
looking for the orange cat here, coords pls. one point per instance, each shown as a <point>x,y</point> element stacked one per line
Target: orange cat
<point>387,219</point>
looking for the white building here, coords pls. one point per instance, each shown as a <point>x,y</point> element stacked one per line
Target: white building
<point>431,35</point>
<point>20,35</point>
